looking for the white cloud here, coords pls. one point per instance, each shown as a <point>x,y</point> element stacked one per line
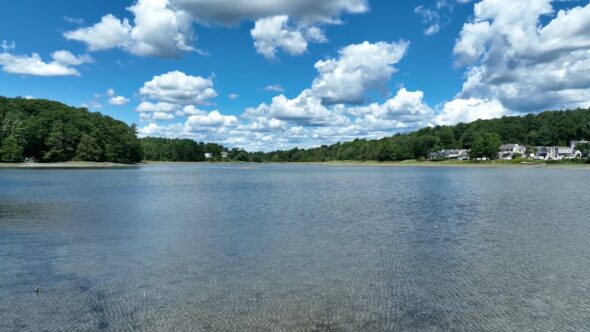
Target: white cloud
<point>192,110</point>
<point>116,100</point>
<point>157,30</point>
<point>468,110</point>
<point>62,64</point>
<point>230,12</point>
<point>305,109</point>
<point>162,116</point>
<point>359,68</point>
<point>147,106</point>
<point>233,96</point>
<point>165,27</point>
<point>525,65</point>
<point>179,88</point>
<point>110,32</point>
<point>160,30</point>
<point>406,109</point>
<point>273,33</point>
<point>274,88</point>
<point>211,119</point>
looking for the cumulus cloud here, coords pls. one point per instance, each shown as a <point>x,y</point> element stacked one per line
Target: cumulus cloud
<point>406,109</point>
<point>147,106</point>
<point>110,32</point>
<point>179,88</point>
<point>62,65</point>
<point>165,27</point>
<point>311,118</point>
<point>211,119</point>
<point>359,68</point>
<point>526,66</point>
<point>306,109</point>
<point>274,33</point>
<point>468,110</point>
<point>157,30</point>
<point>116,100</point>
<point>162,116</point>
<point>230,12</point>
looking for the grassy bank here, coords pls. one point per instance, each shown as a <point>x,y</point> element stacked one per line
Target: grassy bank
<point>464,163</point>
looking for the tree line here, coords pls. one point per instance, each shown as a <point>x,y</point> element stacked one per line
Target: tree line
<point>483,137</point>
<point>175,149</point>
<point>49,131</point>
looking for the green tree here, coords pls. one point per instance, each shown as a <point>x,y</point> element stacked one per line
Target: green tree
<point>11,150</point>
<point>584,148</point>
<point>88,149</point>
<point>486,145</point>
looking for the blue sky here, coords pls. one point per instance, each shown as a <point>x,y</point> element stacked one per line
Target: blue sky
<point>387,66</point>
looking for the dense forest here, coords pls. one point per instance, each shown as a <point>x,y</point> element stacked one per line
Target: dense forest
<point>168,149</point>
<point>48,131</point>
<point>483,137</point>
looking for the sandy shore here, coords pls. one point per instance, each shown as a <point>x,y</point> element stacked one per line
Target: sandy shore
<point>67,165</point>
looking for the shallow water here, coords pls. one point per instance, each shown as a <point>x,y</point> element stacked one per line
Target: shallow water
<point>295,247</point>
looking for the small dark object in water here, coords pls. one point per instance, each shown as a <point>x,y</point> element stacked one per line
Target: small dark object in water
<point>37,290</point>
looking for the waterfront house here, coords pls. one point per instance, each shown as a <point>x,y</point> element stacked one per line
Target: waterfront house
<point>208,155</point>
<point>224,154</point>
<point>450,154</point>
<point>511,151</point>
<point>556,153</point>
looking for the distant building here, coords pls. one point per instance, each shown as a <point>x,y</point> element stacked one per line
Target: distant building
<point>208,155</point>
<point>224,154</point>
<point>451,154</point>
<point>511,151</point>
<point>556,153</point>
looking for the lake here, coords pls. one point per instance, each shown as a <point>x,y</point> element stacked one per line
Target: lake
<point>226,247</point>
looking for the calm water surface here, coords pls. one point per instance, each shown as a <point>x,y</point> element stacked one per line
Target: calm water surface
<point>294,247</point>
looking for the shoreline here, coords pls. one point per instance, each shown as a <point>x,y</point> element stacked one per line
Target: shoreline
<point>67,165</point>
<point>407,163</point>
<point>350,163</point>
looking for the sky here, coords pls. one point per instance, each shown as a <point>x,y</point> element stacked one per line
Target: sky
<point>278,74</point>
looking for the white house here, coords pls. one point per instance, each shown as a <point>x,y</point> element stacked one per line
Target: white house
<point>510,151</point>
<point>556,153</point>
<point>224,154</point>
<point>208,155</point>
<point>452,154</point>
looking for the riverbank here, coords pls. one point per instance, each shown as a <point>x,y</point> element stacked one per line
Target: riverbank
<point>458,163</point>
<point>405,163</point>
<point>67,165</point>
